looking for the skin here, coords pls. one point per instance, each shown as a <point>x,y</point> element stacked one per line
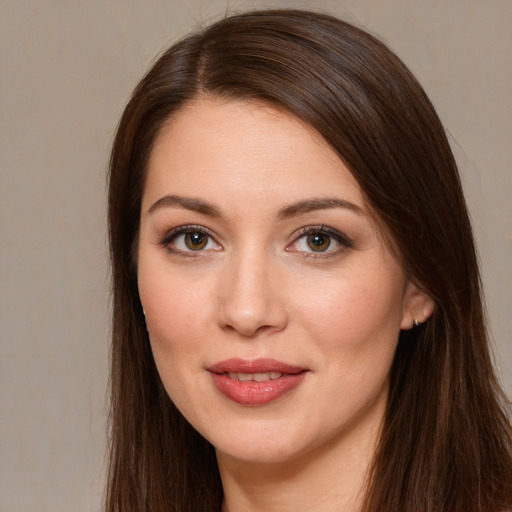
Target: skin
<point>258,289</point>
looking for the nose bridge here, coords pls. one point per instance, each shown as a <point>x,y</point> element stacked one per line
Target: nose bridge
<point>249,302</point>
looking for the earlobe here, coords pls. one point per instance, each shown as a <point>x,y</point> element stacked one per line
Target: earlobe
<point>418,307</point>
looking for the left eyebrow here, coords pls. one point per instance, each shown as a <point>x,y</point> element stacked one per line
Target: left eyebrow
<point>311,205</point>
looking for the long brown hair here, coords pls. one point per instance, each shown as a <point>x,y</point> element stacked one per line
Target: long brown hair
<point>446,440</point>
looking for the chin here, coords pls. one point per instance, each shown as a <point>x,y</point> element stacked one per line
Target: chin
<point>258,453</point>
<point>256,442</point>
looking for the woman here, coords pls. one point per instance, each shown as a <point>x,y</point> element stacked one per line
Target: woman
<point>297,309</point>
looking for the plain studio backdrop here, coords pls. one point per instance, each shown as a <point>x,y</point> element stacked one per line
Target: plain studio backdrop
<point>67,69</point>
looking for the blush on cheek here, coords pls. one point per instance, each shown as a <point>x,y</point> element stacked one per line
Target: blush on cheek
<point>353,317</point>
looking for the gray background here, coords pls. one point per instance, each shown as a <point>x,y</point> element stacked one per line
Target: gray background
<point>67,69</point>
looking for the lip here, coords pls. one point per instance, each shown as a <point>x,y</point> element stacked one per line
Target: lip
<point>252,393</point>
<point>237,365</point>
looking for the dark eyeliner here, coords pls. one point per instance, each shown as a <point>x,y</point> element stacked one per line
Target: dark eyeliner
<point>170,235</point>
<point>337,235</point>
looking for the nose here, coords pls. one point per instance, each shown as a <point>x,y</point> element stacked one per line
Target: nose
<point>251,297</point>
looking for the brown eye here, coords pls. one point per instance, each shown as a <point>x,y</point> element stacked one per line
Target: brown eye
<point>186,240</point>
<point>318,242</point>
<point>195,241</point>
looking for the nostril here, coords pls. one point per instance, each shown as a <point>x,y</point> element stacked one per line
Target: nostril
<point>248,323</point>
<point>248,303</point>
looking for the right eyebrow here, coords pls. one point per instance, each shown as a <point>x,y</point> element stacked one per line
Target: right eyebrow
<point>188,203</point>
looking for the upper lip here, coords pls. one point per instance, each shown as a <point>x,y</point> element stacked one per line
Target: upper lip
<point>262,365</point>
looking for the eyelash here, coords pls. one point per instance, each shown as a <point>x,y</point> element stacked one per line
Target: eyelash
<point>340,238</point>
<point>183,230</point>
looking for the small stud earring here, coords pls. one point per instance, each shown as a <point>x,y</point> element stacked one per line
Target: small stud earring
<point>415,323</point>
<point>144,313</point>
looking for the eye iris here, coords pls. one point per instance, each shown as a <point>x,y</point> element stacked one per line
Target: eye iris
<point>319,242</point>
<point>196,241</point>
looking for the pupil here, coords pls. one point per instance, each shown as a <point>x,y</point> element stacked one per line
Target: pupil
<point>196,238</point>
<point>195,241</point>
<point>319,242</point>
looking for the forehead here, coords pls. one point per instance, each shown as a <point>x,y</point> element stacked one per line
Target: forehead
<point>244,149</point>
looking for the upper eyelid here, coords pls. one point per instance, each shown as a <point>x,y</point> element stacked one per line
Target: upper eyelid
<point>306,230</point>
<point>343,240</point>
<point>172,233</point>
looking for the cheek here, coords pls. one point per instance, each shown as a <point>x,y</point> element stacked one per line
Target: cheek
<point>354,325</point>
<point>176,310</point>
<point>177,316</point>
<point>354,307</point>
<point>353,313</point>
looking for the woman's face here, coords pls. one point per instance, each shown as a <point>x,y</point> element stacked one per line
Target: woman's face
<point>273,302</point>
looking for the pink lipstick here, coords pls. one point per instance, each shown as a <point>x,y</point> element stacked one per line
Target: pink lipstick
<point>255,382</point>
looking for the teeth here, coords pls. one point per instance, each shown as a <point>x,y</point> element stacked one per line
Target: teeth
<point>258,377</point>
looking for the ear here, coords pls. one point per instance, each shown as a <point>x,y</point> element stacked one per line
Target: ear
<point>417,307</point>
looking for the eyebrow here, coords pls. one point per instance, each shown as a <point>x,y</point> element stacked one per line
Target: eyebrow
<point>293,210</point>
<point>188,203</point>
<point>311,205</point>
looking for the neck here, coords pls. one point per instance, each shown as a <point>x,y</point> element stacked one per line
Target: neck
<point>329,478</point>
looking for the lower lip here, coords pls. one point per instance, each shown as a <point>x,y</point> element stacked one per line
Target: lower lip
<point>256,393</point>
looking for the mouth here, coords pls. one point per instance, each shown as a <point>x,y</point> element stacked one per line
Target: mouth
<point>256,377</point>
<point>255,382</point>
